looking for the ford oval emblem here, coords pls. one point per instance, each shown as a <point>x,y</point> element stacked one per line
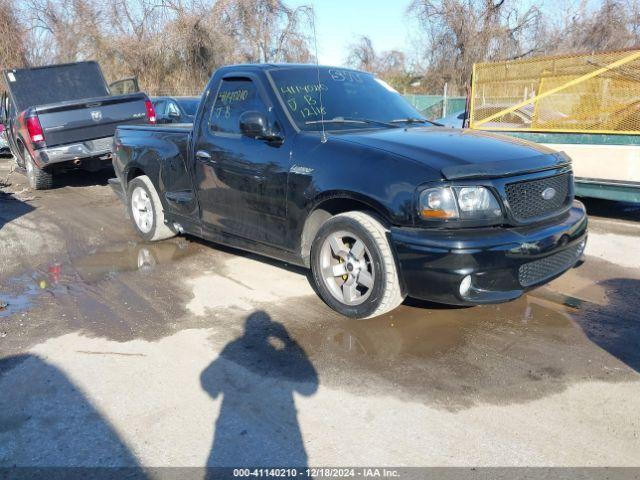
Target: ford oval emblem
<point>96,115</point>
<point>548,193</point>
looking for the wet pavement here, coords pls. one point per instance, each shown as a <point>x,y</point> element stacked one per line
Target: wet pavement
<point>183,353</point>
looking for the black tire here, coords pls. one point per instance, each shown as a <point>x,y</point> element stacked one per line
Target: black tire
<point>377,262</point>
<point>157,229</point>
<point>38,178</point>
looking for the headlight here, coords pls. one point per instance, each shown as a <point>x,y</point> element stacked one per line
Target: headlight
<point>459,203</point>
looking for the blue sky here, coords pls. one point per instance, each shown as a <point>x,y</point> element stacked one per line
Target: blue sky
<point>340,23</point>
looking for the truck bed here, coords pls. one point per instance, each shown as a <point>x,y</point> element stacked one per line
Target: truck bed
<point>162,153</point>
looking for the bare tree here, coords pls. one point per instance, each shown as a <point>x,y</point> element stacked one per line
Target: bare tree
<point>460,33</point>
<point>390,65</point>
<point>265,30</point>
<point>13,52</point>
<point>614,25</point>
<point>170,45</point>
<point>362,55</point>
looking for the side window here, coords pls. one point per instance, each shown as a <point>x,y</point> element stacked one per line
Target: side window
<point>235,96</point>
<point>160,108</point>
<point>172,109</point>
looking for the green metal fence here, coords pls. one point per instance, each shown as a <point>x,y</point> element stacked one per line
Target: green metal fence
<point>436,106</point>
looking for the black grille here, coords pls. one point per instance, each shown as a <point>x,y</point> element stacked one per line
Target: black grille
<point>526,200</point>
<point>539,270</point>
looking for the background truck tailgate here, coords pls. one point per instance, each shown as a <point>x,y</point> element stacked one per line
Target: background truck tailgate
<point>89,119</point>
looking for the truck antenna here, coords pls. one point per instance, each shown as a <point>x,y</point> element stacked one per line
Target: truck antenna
<point>312,16</point>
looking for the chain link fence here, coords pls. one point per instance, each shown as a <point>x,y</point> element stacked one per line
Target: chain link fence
<point>592,93</point>
<point>436,106</point>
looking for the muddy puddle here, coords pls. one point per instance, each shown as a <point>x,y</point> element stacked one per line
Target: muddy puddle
<point>55,278</point>
<point>454,358</point>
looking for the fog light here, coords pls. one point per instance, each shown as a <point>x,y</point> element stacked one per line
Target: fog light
<point>465,285</point>
<point>581,247</point>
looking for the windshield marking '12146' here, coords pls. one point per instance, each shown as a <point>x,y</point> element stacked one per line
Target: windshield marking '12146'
<point>313,94</point>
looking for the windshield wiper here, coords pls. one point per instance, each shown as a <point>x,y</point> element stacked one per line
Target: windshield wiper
<point>352,120</point>
<point>416,120</point>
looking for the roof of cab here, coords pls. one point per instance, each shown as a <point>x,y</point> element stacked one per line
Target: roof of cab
<point>272,66</point>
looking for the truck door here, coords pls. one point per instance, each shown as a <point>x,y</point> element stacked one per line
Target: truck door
<point>9,120</point>
<point>241,181</point>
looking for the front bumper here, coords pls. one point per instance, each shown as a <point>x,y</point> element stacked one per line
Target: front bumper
<point>501,263</point>
<point>99,148</point>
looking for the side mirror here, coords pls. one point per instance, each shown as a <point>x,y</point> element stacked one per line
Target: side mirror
<point>255,125</point>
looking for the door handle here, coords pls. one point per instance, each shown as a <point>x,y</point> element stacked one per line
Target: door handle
<point>204,157</point>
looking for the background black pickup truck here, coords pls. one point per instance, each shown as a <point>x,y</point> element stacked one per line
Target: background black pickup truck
<point>63,116</point>
<point>332,169</point>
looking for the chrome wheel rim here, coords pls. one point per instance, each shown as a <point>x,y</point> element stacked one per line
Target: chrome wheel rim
<point>346,268</point>
<point>141,209</point>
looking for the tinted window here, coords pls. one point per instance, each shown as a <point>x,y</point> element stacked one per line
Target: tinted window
<point>235,96</point>
<point>172,109</point>
<point>58,83</point>
<point>312,93</point>
<point>160,107</point>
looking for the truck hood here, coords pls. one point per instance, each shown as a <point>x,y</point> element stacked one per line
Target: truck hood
<point>460,154</point>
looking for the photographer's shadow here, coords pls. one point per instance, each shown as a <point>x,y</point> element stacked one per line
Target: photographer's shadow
<point>257,375</point>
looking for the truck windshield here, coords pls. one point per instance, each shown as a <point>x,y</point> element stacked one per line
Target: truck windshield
<point>350,99</point>
<point>57,83</point>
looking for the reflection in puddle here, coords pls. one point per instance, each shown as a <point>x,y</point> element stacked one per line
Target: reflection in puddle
<point>57,278</point>
<point>425,331</point>
<point>12,304</point>
<point>458,357</point>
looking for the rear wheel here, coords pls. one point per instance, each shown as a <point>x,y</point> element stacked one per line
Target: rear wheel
<point>353,266</point>
<point>38,178</point>
<point>146,210</point>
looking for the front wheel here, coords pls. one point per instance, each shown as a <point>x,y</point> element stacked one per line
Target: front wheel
<point>353,266</point>
<point>146,210</point>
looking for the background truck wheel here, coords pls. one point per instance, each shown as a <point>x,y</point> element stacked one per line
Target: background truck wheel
<point>353,266</point>
<point>38,179</point>
<point>146,210</point>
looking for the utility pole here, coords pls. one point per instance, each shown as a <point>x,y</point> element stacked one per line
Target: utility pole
<point>444,100</point>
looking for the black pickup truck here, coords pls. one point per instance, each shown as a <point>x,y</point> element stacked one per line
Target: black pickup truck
<point>332,169</point>
<point>59,117</point>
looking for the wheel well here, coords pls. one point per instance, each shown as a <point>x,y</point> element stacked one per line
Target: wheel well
<point>324,211</point>
<point>133,173</point>
<point>21,149</point>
